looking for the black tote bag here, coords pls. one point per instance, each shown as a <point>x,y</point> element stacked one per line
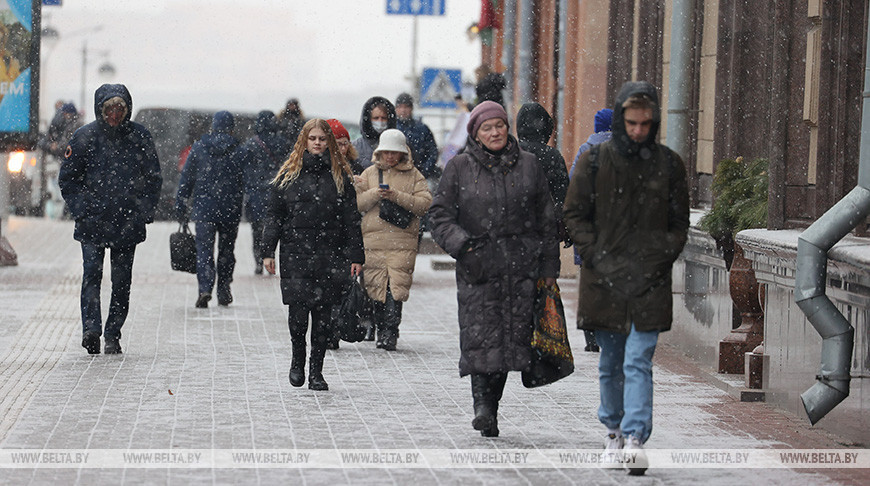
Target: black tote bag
<point>182,249</point>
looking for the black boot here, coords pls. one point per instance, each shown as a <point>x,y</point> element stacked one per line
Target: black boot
<point>370,333</point>
<point>297,364</point>
<point>381,331</point>
<point>315,368</point>
<point>393,317</point>
<point>496,389</point>
<point>484,415</point>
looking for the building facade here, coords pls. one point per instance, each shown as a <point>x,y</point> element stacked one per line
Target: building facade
<point>777,79</point>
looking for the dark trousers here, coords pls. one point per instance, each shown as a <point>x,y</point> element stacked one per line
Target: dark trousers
<point>257,232</point>
<point>121,260</point>
<point>226,262</point>
<point>321,322</point>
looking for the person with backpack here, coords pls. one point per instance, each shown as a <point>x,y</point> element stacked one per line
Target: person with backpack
<point>627,211</point>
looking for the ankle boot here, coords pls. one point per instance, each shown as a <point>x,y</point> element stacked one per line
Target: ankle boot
<point>315,369</point>
<point>484,415</point>
<point>494,394</point>
<point>297,365</point>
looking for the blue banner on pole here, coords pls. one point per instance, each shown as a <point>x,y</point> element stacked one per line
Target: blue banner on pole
<point>415,7</point>
<point>439,87</point>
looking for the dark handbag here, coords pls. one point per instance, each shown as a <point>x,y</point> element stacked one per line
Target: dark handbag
<point>551,353</point>
<point>347,321</point>
<point>393,213</point>
<point>182,249</point>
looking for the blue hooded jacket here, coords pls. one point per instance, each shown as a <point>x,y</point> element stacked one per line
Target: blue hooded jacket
<point>110,176</point>
<point>213,176</point>
<point>262,156</point>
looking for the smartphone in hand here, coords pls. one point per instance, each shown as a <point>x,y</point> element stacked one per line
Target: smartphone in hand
<point>384,186</point>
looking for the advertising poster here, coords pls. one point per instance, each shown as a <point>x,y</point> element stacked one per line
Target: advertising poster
<point>18,61</point>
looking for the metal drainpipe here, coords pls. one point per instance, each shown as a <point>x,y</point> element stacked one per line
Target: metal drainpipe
<point>832,382</point>
<point>679,94</point>
<point>560,80</point>
<point>509,50</point>
<point>527,23</point>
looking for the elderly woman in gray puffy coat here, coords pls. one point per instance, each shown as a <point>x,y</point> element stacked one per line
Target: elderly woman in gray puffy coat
<point>493,213</point>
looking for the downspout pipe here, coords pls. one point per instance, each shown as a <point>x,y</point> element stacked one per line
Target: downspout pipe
<point>560,79</point>
<point>679,92</point>
<point>524,67</point>
<point>838,336</point>
<point>509,51</point>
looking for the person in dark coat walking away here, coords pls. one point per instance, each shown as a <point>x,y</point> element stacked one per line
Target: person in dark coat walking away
<point>628,212</point>
<point>378,114</point>
<point>261,156</point>
<point>490,88</point>
<point>312,212</point>
<point>110,179</point>
<point>534,128</point>
<point>290,120</point>
<point>212,182</point>
<point>494,214</point>
<point>53,145</point>
<point>602,134</point>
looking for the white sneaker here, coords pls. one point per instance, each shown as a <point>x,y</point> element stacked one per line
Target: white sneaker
<point>634,458</point>
<point>613,444</point>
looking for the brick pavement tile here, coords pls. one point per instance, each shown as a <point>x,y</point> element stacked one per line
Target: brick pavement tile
<point>227,371</point>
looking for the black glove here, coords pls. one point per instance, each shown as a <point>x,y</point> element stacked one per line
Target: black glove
<point>563,234</point>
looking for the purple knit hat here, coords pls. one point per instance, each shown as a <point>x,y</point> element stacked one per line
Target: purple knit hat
<point>483,112</point>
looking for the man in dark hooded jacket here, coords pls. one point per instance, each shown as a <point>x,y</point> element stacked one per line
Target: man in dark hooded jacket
<point>378,114</point>
<point>213,177</point>
<point>110,179</point>
<point>534,128</point>
<point>424,150</point>
<point>628,213</point>
<point>261,156</point>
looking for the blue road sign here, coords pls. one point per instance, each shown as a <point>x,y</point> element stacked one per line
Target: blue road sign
<point>415,7</point>
<point>439,87</point>
<point>52,2</point>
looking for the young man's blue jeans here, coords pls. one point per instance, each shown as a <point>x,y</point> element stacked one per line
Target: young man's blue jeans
<point>226,262</point>
<point>625,381</point>
<point>121,260</point>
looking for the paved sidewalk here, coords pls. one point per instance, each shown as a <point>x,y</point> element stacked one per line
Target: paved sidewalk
<point>216,379</point>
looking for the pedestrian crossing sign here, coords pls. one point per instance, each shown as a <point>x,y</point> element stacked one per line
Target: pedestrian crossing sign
<point>439,87</point>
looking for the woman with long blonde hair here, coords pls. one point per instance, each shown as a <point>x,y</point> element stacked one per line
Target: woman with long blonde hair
<point>313,214</point>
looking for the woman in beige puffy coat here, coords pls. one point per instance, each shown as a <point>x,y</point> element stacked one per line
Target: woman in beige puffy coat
<point>391,250</point>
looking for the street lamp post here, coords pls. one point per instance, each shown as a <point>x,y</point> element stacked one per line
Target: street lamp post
<point>106,69</point>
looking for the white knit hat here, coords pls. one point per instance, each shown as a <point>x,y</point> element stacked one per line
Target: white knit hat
<point>392,140</point>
